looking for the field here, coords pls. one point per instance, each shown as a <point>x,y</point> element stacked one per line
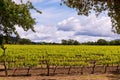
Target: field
<point>53,60</point>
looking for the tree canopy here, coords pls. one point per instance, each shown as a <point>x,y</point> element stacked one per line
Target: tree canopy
<point>85,7</point>
<point>12,14</point>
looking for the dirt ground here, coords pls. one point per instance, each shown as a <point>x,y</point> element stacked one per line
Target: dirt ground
<point>61,73</point>
<point>66,77</point>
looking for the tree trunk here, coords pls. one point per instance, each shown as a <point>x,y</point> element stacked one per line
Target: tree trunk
<point>5,67</point>
<point>14,71</point>
<point>69,69</point>
<point>82,67</point>
<point>54,69</point>
<point>117,68</point>
<point>28,71</point>
<point>48,68</point>
<point>93,68</point>
<point>4,54</point>
<point>106,68</point>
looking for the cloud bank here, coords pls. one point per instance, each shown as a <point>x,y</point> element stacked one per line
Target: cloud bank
<point>78,28</point>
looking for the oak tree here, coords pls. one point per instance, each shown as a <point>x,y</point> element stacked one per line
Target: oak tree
<point>11,15</point>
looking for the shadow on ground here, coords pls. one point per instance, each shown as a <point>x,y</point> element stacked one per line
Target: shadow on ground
<point>114,75</point>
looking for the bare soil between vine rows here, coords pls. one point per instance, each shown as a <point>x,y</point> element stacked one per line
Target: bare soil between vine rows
<point>61,73</point>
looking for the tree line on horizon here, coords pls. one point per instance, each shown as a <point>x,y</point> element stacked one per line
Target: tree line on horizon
<point>98,42</point>
<point>15,40</point>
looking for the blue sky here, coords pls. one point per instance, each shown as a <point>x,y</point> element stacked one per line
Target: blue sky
<point>60,22</point>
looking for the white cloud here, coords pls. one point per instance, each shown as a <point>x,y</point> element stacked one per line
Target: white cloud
<point>73,28</point>
<point>70,24</point>
<point>24,1</point>
<point>43,33</point>
<point>90,26</point>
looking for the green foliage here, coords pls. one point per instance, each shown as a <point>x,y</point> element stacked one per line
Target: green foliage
<point>35,55</point>
<point>102,42</point>
<point>69,42</point>
<point>24,41</point>
<point>12,14</point>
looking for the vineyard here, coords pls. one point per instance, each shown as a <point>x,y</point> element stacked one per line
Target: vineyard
<point>52,59</point>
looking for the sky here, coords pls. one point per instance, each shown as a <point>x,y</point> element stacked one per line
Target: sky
<point>61,22</point>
